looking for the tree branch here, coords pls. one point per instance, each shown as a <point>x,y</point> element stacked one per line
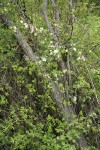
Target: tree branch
<point>44,12</point>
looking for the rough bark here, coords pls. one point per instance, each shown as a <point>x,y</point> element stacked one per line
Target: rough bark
<point>44,12</point>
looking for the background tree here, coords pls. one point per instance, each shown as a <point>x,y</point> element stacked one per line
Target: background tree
<point>50,75</point>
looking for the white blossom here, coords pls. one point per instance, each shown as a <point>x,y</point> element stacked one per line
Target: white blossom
<point>81,58</point>
<point>58,56</point>
<point>31,28</point>
<point>90,51</point>
<point>52,46</point>
<point>55,75</point>
<point>21,21</point>
<point>74,49</point>
<point>36,29</point>
<point>42,42</point>
<point>94,114</point>
<point>55,25</point>
<point>39,62</point>
<point>60,46</point>
<point>43,59</point>
<point>75,98</point>
<point>35,34</point>
<point>65,70</point>
<point>74,44</point>
<point>26,25</point>
<point>46,75</point>
<point>51,33</point>
<point>51,42</point>
<point>5,9</point>
<point>55,51</point>
<point>66,50</point>
<point>51,53</point>
<point>41,29</point>
<point>80,53</point>
<point>88,125</point>
<point>15,29</point>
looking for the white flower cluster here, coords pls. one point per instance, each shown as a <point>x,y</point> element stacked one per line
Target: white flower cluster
<point>35,34</point>
<point>51,52</point>
<point>93,114</point>
<point>56,25</point>
<point>79,53</point>
<point>37,30</point>
<point>74,49</point>
<point>88,125</point>
<point>42,42</point>
<point>21,21</point>
<point>81,58</point>
<point>58,56</point>
<point>51,34</point>
<point>5,9</point>
<point>41,30</point>
<point>55,75</point>
<point>90,51</point>
<point>75,99</point>
<point>51,42</point>
<point>51,46</point>
<point>31,27</point>
<point>46,75</point>
<point>73,44</point>
<point>66,50</point>
<point>56,51</point>
<point>15,29</point>
<point>44,59</point>
<point>39,62</point>
<point>26,25</point>
<point>64,71</point>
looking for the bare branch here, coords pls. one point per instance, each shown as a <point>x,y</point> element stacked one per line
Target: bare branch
<point>44,12</point>
<point>56,16</point>
<point>92,85</point>
<point>44,5</point>
<point>56,10</point>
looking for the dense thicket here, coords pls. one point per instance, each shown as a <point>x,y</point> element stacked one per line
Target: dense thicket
<point>50,74</point>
